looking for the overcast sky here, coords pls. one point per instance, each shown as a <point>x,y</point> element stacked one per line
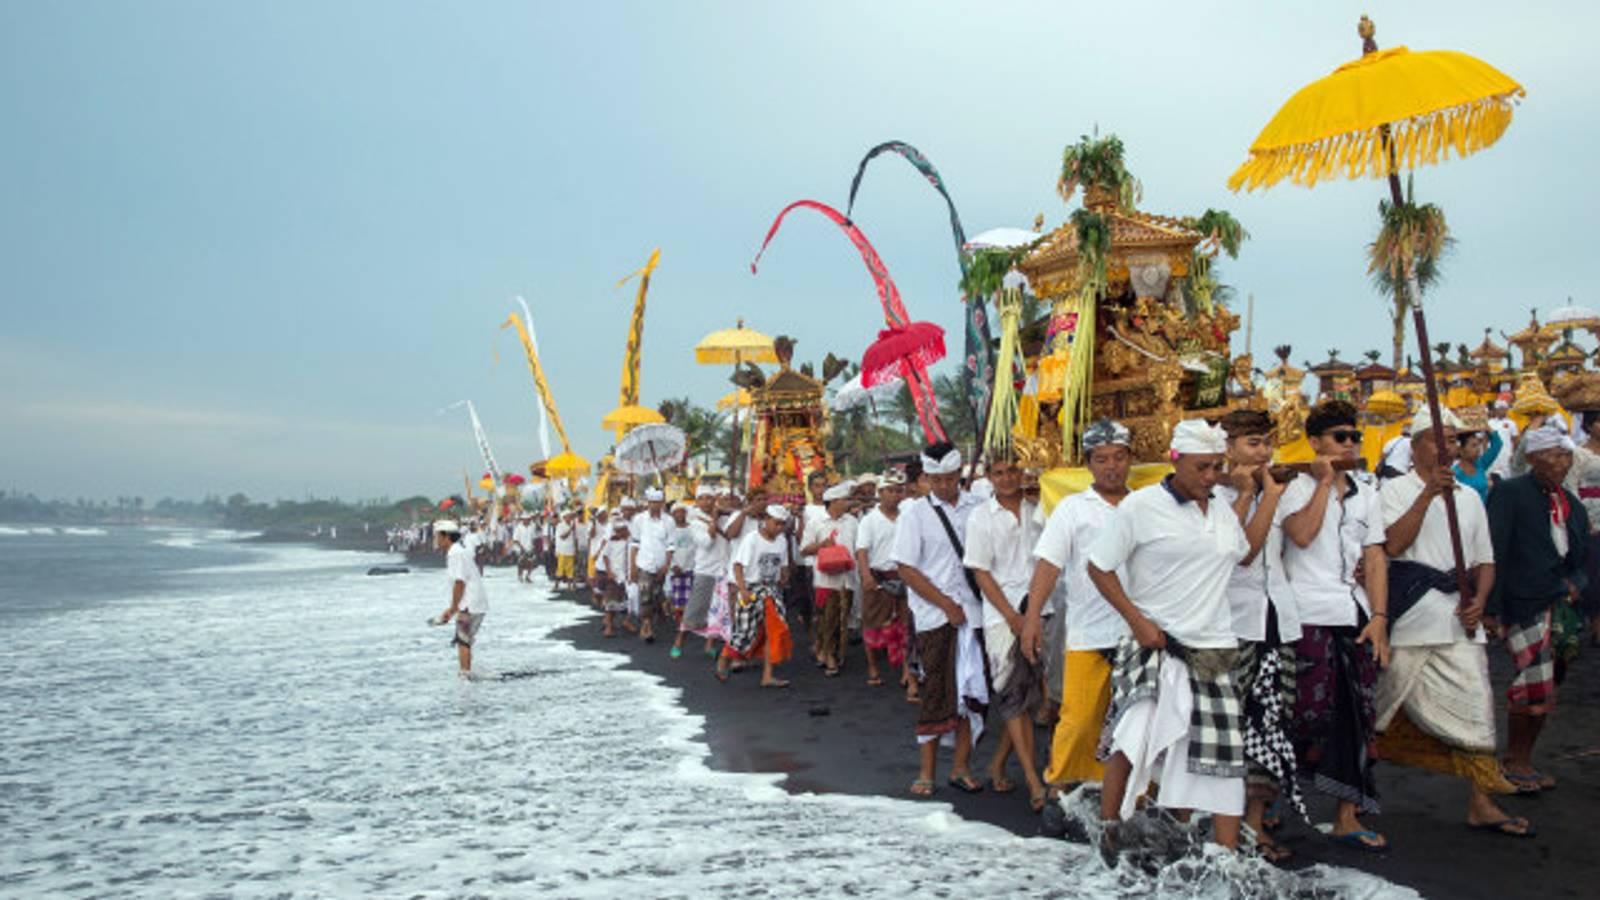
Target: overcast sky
<point>258,246</point>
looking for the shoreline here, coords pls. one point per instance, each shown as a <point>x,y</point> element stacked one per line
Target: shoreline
<point>841,736</point>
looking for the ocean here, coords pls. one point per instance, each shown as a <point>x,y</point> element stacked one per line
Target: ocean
<point>188,715</point>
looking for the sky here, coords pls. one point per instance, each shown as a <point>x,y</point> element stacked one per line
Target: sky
<point>257,247</point>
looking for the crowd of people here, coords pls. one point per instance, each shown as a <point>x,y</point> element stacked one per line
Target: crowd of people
<point>1224,641</point>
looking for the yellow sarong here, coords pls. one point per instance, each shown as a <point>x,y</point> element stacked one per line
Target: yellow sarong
<point>1085,695</point>
<point>566,566</point>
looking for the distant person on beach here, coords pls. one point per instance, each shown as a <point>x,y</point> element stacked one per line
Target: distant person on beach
<point>1093,626</point>
<point>836,528</point>
<point>469,602</point>
<point>1337,568</point>
<point>1265,620</point>
<point>681,580</point>
<point>1540,533</point>
<point>1001,534</point>
<point>522,546</point>
<point>583,533</point>
<point>611,573</point>
<point>760,568</point>
<point>600,534</point>
<point>473,541</point>
<point>928,549</point>
<point>567,550</point>
<point>705,524</point>
<point>1177,707</point>
<point>884,617</point>
<point>651,532</point>
<point>1435,704</point>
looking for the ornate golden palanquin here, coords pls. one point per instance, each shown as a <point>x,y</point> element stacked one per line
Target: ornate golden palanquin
<point>789,429</point>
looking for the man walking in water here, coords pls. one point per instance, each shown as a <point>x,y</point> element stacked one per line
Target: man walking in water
<point>468,600</point>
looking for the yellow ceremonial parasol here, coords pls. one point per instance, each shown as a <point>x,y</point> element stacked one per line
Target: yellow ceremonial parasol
<point>566,464</point>
<point>628,416</point>
<point>739,398</point>
<point>1388,111</point>
<point>732,346</point>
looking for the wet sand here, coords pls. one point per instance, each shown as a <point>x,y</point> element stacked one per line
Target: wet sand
<point>839,735</point>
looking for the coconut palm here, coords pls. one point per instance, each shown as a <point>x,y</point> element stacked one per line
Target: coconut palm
<point>1412,238</point>
<point>1095,164</point>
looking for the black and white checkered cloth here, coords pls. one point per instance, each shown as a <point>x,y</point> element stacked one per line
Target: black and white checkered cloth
<point>1269,703</point>
<point>1216,724</point>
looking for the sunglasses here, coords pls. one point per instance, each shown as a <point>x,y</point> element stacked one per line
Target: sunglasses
<point>1344,436</point>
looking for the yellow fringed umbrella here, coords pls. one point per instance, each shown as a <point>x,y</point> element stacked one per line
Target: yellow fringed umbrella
<point>732,346</point>
<point>628,416</point>
<point>740,398</point>
<point>567,464</point>
<point>1381,114</point>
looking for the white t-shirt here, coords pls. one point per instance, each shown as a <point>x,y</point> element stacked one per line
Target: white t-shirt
<point>813,512</point>
<point>566,539</point>
<point>653,536</point>
<point>763,559</point>
<point>920,541</point>
<point>876,536</point>
<point>1324,574</point>
<point>582,533</point>
<point>817,530</point>
<point>1002,545</point>
<point>1508,435</point>
<point>597,542</point>
<point>1252,587</point>
<point>683,548</point>
<point>460,566</point>
<point>1433,619</point>
<point>710,549</point>
<point>736,538</point>
<point>1073,526</point>
<point>614,558</point>
<point>522,536</point>
<point>1178,560</point>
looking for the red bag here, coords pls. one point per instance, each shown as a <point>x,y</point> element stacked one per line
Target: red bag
<point>834,559</point>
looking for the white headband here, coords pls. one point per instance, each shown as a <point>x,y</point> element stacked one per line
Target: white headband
<point>1199,437</point>
<point>1546,437</point>
<point>950,464</point>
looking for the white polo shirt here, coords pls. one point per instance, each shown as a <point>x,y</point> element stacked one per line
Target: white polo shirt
<point>843,529</point>
<point>875,535</point>
<point>1263,581</point>
<point>1324,574</point>
<point>921,542</point>
<point>460,566</point>
<point>1073,526</point>
<point>1433,619</point>
<point>1001,544</point>
<point>653,536</point>
<point>1178,559</point>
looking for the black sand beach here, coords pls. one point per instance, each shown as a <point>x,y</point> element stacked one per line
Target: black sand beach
<point>842,736</point>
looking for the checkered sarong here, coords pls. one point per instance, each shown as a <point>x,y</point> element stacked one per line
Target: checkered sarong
<point>1269,706</point>
<point>1216,724</point>
<point>1533,691</point>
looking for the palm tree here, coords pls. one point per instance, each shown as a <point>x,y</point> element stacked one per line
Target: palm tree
<point>1411,239</point>
<point>961,427</point>
<point>904,411</point>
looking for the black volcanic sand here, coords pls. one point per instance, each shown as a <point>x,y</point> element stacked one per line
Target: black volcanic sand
<point>838,735</point>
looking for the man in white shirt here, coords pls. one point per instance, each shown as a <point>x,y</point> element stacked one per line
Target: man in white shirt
<point>1093,627</point>
<point>600,533</point>
<point>832,598</point>
<point>469,602</point>
<point>1500,422</point>
<point>651,558</point>
<point>946,611</point>
<point>760,567</point>
<point>1176,709</point>
<point>1335,560</point>
<point>883,595</point>
<point>802,585</point>
<point>522,546</point>
<point>566,550</point>
<point>681,579</point>
<point>1001,534</point>
<point>1435,705</point>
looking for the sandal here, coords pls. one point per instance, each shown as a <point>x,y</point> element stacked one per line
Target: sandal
<point>1001,784</point>
<point>923,787</point>
<point>874,681</point>
<point>1530,782</point>
<point>1513,826</point>
<point>966,783</point>
<point>1272,851</point>
<point>1370,841</point>
<point>777,683</point>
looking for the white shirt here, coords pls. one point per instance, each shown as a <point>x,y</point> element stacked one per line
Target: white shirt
<point>460,566</point>
<point>683,548</point>
<point>813,512</point>
<point>875,535</point>
<point>736,538</point>
<point>653,536</point>
<point>711,550</point>
<point>1324,574</point>
<point>1264,580</point>
<point>921,542</point>
<point>614,558</point>
<point>1001,544</point>
<point>582,533</point>
<point>763,559</point>
<point>1178,560</point>
<point>602,534</point>
<point>844,531</point>
<point>472,540</point>
<point>522,536</point>
<point>1092,623</point>
<point>1508,435</point>
<point>1433,619</point>
<point>566,539</point>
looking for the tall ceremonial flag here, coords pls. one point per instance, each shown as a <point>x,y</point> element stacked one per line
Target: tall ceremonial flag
<point>547,400</point>
<point>479,435</point>
<point>630,357</point>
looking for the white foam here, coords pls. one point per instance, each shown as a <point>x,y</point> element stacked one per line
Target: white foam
<point>84,532</point>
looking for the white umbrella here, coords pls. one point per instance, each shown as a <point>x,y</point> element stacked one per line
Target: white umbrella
<point>1571,315</point>
<point>852,394</point>
<point>1008,238</point>
<point>649,449</point>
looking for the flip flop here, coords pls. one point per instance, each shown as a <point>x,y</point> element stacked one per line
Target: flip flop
<point>966,783</point>
<point>1531,782</point>
<point>923,787</point>
<point>874,682</point>
<point>1361,840</point>
<point>1507,827</point>
<point>1001,785</point>
<point>776,685</point>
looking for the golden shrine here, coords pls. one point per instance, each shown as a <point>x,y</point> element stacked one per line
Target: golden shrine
<point>1160,347</point>
<point>788,427</point>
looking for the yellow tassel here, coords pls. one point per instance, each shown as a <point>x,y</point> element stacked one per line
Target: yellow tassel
<point>1003,404</point>
<point>1078,390</point>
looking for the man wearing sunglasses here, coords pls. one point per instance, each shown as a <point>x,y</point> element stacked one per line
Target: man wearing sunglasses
<point>1337,567</point>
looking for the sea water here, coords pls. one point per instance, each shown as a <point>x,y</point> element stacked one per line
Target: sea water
<point>189,715</point>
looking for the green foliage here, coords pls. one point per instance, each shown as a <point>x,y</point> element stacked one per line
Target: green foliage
<point>987,268</point>
<point>1097,163</point>
<point>1411,238</point>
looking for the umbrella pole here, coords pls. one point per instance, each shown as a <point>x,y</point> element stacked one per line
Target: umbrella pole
<point>1420,323</point>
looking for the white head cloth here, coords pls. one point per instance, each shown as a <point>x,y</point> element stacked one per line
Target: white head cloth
<point>1546,437</point>
<point>447,526</point>
<point>653,495</point>
<point>949,464</point>
<point>777,512</point>
<point>1424,420</point>
<point>1199,437</point>
<point>705,490</point>
<point>840,491</point>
